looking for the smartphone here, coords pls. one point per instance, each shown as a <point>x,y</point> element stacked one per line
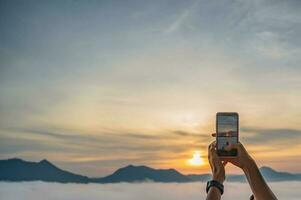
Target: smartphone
<point>226,132</point>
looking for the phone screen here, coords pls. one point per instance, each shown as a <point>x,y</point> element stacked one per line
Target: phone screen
<point>227,133</point>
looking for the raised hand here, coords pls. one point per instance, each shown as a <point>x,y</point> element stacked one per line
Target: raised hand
<point>256,181</point>
<point>216,164</point>
<point>242,159</point>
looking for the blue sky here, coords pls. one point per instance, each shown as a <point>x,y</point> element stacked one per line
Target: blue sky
<point>101,84</point>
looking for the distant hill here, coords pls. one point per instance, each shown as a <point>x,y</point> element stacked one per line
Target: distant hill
<point>268,173</point>
<point>199,177</point>
<point>272,175</point>
<point>132,173</point>
<point>20,170</point>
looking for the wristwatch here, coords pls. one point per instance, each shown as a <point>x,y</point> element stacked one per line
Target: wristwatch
<point>214,183</point>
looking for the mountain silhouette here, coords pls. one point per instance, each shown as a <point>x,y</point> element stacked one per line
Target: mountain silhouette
<point>272,175</point>
<point>269,174</point>
<point>132,173</point>
<point>20,170</point>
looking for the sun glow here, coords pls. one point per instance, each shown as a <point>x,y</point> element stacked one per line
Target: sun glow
<point>196,159</point>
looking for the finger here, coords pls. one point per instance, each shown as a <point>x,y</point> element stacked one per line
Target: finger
<point>210,149</point>
<point>213,134</point>
<point>213,152</point>
<point>213,148</point>
<point>212,145</point>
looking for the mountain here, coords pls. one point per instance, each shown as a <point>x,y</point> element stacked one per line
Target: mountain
<point>199,177</point>
<point>20,170</point>
<point>132,173</point>
<point>207,177</point>
<point>272,175</point>
<point>268,173</point>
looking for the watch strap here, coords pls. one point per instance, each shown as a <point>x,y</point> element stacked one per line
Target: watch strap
<point>214,183</point>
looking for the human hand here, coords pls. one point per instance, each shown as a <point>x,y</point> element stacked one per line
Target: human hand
<point>217,166</point>
<point>242,159</point>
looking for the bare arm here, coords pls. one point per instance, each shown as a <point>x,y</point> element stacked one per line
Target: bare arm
<point>260,189</point>
<point>257,183</point>
<point>213,194</point>
<point>218,172</point>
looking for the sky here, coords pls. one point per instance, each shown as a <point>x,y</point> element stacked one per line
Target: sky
<point>94,86</point>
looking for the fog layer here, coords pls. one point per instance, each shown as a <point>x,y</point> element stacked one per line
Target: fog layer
<point>136,191</point>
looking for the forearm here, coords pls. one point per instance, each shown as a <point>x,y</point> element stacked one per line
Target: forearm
<point>213,194</point>
<point>258,185</point>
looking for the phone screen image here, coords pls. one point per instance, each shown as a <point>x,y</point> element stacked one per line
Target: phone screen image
<point>227,133</point>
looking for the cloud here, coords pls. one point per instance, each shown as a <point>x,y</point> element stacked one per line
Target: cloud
<point>110,148</point>
<point>135,191</point>
<point>181,18</point>
<point>99,136</point>
<point>259,136</point>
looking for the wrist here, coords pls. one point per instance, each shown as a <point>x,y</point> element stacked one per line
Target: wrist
<point>249,165</point>
<point>215,190</point>
<point>215,187</point>
<point>218,178</point>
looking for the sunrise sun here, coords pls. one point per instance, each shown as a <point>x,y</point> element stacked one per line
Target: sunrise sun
<point>196,159</point>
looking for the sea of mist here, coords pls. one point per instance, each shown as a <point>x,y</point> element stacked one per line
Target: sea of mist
<point>134,191</point>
